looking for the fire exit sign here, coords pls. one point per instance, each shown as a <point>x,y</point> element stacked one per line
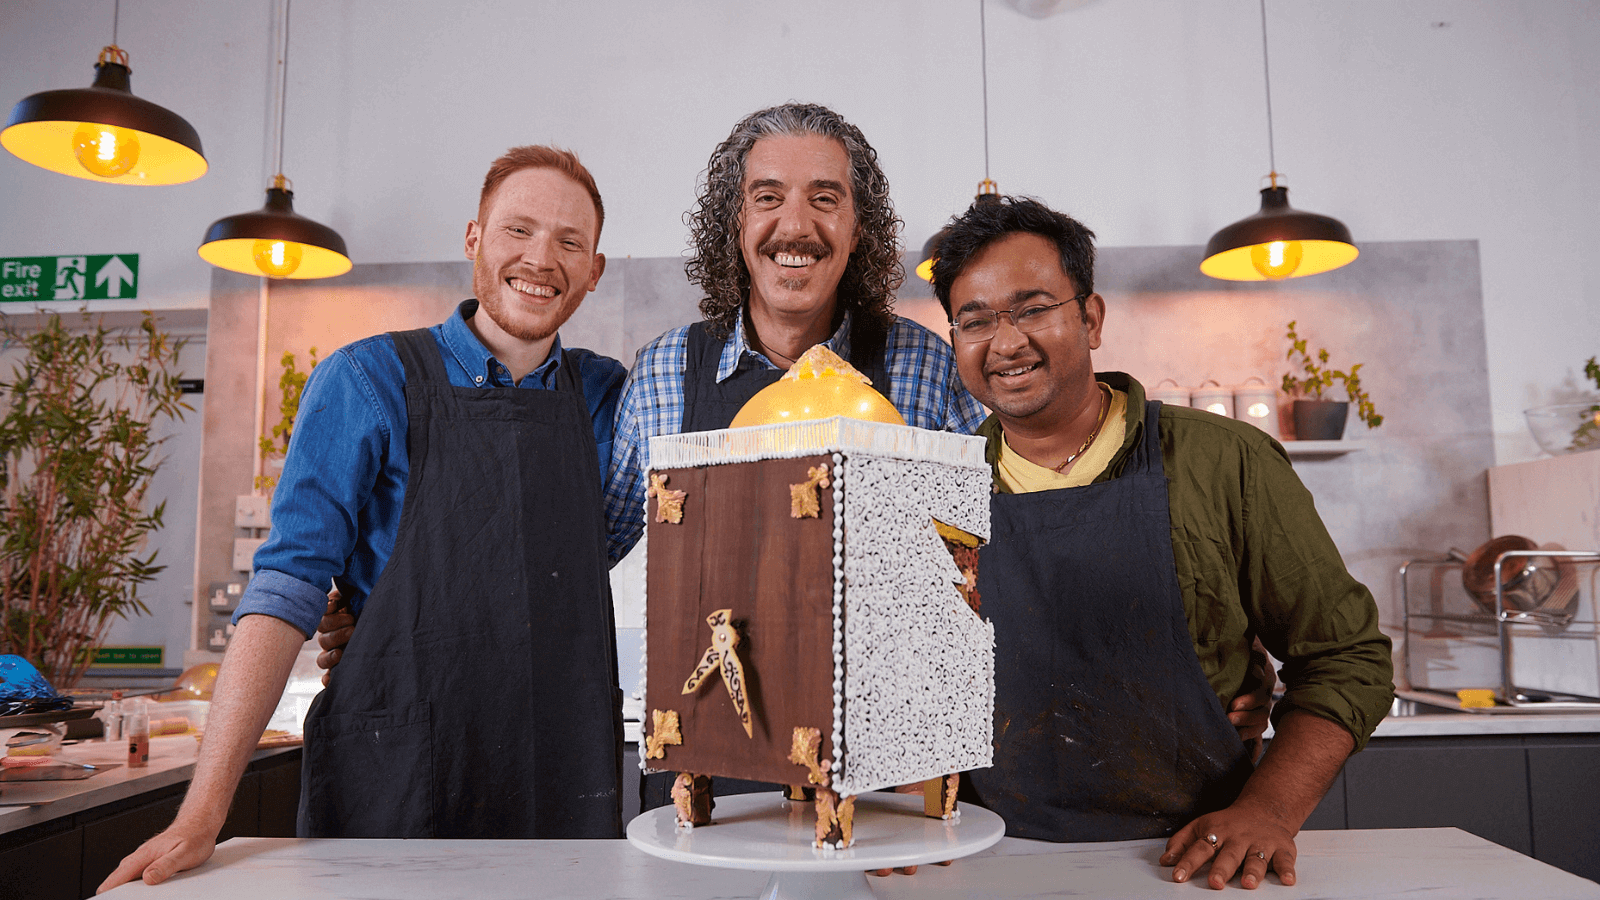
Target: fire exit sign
<point>102,277</point>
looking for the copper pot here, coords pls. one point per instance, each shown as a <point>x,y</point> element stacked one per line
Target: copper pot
<point>1526,582</point>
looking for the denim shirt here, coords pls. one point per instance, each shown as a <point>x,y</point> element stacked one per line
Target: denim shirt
<point>336,510</point>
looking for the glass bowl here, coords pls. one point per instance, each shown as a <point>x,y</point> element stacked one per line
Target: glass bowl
<point>1562,428</point>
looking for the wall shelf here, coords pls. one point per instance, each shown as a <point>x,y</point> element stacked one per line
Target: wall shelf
<point>1323,449</point>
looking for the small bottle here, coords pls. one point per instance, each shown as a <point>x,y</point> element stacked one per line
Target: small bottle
<point>137,728</point>
<point>111,717</point>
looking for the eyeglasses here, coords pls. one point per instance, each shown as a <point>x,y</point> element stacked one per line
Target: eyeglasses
<point>977,325</point>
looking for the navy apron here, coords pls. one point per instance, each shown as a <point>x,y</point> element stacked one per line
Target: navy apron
<point>707,406</point>
<point>478,696</point>
<point>1105,726</point>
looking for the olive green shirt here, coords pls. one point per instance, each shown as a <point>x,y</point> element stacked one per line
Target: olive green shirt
<point>1254,558</point>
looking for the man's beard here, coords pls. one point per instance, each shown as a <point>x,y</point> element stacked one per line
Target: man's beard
<point>487,289</point>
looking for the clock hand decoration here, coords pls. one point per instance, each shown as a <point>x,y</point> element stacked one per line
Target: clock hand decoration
<point>720,657</point>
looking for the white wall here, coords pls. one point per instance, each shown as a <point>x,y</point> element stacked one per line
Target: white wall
<point>1408,119</point>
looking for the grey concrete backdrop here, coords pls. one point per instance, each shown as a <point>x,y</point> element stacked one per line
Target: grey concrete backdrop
<point>1412,312</point>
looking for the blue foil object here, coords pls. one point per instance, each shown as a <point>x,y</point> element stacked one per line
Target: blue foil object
<point>24,690</point>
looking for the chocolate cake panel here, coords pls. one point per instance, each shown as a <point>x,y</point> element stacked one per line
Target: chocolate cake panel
<point>740,548</point>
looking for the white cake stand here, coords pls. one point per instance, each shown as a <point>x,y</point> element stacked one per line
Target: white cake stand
<point>764,833</point>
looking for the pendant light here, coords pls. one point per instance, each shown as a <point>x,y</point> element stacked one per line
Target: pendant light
<point>103,132</point>
<point>988,191</point>
<point>1279,241</point>
<point>275,241</point>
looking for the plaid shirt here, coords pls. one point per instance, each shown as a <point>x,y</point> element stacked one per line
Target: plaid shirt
<point>923,386</point>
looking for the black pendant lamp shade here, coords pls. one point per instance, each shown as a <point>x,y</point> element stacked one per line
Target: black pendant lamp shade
<point>988,192</point>
<point>104,132</point>
<point>275,241</point>
<point>1278,242</point>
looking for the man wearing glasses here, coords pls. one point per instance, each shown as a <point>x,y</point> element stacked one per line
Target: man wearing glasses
<point>1137,550</point>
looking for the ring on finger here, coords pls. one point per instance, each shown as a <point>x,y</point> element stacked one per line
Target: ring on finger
<point>1261,854</point>
<point>1211,839</point>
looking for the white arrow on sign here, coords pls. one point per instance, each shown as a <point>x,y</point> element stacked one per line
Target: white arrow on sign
<point>117,272</point>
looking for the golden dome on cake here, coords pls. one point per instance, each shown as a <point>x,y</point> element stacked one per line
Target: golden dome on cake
<point>819,385</point>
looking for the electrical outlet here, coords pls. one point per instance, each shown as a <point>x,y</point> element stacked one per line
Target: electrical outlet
<point>252,512</point>
<point>244,552</point>
<point>221,634</point>
<point>224,595</point>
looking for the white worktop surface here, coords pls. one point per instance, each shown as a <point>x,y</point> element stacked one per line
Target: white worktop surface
<point>1464,724</point>
<point>1431,862</point>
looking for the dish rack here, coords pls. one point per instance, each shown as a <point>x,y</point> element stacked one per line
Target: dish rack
<point>1536,658</point>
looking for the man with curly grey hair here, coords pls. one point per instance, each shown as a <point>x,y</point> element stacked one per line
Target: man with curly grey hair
<point>796,243</point>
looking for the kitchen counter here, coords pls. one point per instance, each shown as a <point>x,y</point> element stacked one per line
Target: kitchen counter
<point>1366,864</point>
<point>73,833</point>
<point>27,803</point>
<point>1444,723</point>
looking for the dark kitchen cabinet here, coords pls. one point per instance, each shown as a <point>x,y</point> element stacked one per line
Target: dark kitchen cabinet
<point>1536,794</point>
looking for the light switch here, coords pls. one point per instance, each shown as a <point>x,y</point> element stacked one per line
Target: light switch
<point>252,512</point>
<point>244,551</point>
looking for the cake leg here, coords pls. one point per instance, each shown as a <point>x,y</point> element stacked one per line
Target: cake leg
<point>799,792</point>
<point>691,796</point>
<point>939,796</point>
<point>835,816</point>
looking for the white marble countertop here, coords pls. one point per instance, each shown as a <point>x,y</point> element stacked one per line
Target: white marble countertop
<point>1465,724</point>
<point>1433,862</point>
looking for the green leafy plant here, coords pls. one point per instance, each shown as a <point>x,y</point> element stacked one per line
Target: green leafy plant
<point>1319,379</point>
<point>1588,433</point>
<point>77,452</point>
<point>290,385</point>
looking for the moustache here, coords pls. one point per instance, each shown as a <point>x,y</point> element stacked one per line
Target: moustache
<point>795,247</point>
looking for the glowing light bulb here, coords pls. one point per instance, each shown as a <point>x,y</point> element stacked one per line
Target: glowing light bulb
<point>278,259</point>
<point>1278,259</point>
<point>105,150</point>
<point>1257,411</point>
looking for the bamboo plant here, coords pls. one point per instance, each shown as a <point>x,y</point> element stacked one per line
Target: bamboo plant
<point>78,448</point>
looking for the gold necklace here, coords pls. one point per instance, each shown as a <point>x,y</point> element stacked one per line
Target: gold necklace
<point>1105,407</point>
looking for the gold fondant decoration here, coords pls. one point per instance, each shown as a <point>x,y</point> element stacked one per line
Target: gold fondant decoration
<point>829,834</point>
<point>805,501</point>
<point>835,820</point>
<point>663,731</point>
<point>691,797</point>
<point>954,535</point>
<point>939,796</point>
<point>669,503</point>
<point>720,657</point>
<point>820,385</point>
<point>804,751</point>
<point>963,547</point>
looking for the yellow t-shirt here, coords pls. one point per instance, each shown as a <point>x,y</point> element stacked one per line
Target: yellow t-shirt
<point>1022,477</point>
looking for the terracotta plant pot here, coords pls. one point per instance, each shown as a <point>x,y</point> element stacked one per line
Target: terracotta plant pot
<point>1320,420</point>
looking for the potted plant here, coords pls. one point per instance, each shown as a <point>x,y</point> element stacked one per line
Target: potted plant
<point>77,452</point>
<point>276,445</point>
<point>1317,418</point>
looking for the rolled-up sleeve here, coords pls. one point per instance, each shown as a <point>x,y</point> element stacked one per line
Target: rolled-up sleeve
<point>335,457</point>
<point>1311,612</point>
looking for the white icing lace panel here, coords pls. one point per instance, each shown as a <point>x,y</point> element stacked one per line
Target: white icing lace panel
<point>919,664</point>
